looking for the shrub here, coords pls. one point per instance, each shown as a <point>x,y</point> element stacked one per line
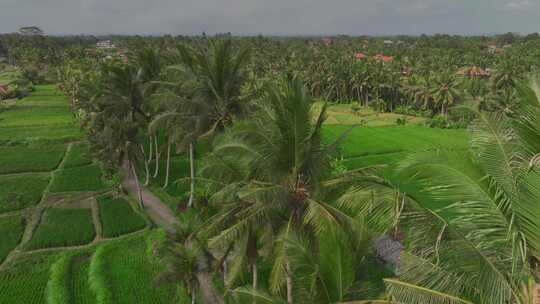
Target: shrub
<point>438,121</point>
<point>60,274</point>
<point>401,121</point>
<point>97,276</point>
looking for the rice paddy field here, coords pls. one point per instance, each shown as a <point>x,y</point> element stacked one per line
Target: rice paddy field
<point>50,232</point>
<point>53,251</point>
<point>118,217</point>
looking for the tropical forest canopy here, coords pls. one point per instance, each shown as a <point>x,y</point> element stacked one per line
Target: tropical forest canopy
<point>270,169</point>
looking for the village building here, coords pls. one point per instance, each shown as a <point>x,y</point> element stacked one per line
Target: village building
<point>360,56</point>
<point>406,71</point>
<point>3,89</point>
<point>388,42</point>
<point>105,44</point>
<point>493,49</point>
<point>31,31</point>
<point>383,58</point>
<point>474,72</point>
<point>327,41</point>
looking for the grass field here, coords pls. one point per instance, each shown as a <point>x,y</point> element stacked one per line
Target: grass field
<point>79,155</point>
<point>117,217</point>
<point>43,116</point>
<point>19,192</point>
<point>362,141</point>
<point>17,159</point>
<point>63,227</point>
<point>11,230</point>
<point>26,283</point>
<point>345,114</point>
<point>79,286</point>
<point>78,179</point>
<point>128,262</point>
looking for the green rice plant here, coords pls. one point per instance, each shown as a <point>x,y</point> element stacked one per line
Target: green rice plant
<point>63,227</point>
<point>97,276</point>
<point>19,192</point>
<point>117,217</point>
<point>79,285</point>
<point>362,141</point>
<point>78,179</point>
<point>26,281</point>
<point>60,274</point>
<point>79,155</point>
<point>11,231</point>
<point>34,158</point>
<point>33,134</point>
<point>127,265</point>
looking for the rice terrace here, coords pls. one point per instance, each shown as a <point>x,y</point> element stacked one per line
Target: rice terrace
<point>273,168</point>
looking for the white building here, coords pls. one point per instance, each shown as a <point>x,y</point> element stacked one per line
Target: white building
<point>105,44</point>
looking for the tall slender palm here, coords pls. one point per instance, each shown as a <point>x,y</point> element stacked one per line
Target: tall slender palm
<point>220,75</point>
<point>276,168</point>
<point>119,115</point>
<point>444,91</point>
<point>473,220</point>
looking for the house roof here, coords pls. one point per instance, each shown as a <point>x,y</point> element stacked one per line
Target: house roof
<point>383,58</point>
<point>3,89</point>
<point>388,249</point>
<point>360,56</point>
<point>474,72</point>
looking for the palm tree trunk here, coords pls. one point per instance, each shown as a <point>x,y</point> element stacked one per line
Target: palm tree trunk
<point>139,191</point>
<point>151,152</point>
<point>255,272</point>
<point>168,166</point>
<point>289,284</point>
<point>192,297</point>
<point>192,173</point>
<point>146,167</point>
<point>208,290</point>
<point>156,171</point>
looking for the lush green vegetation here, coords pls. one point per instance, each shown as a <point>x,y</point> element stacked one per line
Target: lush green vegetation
<point>264,154</point>
<point>117,217</point>
<point>84,178</point>
<point>11,229</point>
<point>79,155</point>
<point>18,159</point>
<point>114,265</point>
<point>19,192</point>
<point>27,282</point>
<point>63,227</point>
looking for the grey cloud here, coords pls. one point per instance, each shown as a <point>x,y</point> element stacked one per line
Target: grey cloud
<point>271,17</point>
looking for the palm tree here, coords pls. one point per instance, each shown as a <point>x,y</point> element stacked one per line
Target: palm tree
<point>118,118</point>
<point>275,173</point>
<point>444,91</point>
<point>188,260</point>
<point>473,220</point>
<point>220,74</point>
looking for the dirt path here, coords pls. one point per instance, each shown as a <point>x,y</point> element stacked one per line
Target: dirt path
<point>153,206</point>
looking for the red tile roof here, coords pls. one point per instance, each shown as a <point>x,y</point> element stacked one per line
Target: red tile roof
<point>384,58</point>
<point>3,89</point>
<point>360,56</point>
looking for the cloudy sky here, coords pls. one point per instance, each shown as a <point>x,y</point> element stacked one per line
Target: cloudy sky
<point>281,17</point>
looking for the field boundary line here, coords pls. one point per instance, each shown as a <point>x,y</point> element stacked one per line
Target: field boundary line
<point>36,217</point>
<point>96,219</point>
